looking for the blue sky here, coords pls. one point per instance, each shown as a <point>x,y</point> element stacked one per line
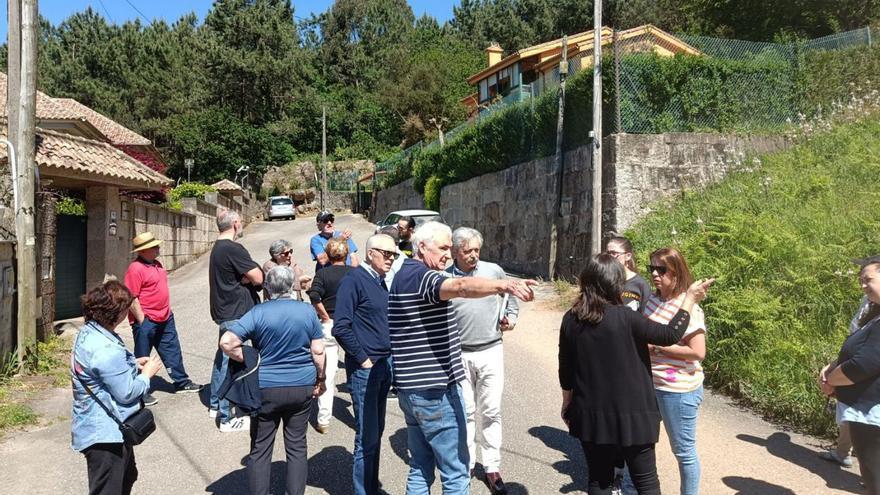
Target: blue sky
<point>120,11</point>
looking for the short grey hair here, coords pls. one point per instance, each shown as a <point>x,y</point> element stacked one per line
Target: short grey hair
<point>278,247</point>
<point>428,233</point>
<point>279,282</point>
<point>373,241</point>
<point>391,231</point>
<point>464,235</point>
<point>226,218</point>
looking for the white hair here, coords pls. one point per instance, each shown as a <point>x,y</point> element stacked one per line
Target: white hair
<point>428,233</point>
<point>464,235</point>
<point>226,219</point>
<point>279,281</point>
<point>373,241</point>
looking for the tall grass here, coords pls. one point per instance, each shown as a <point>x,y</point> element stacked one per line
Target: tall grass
<point>779,238</point>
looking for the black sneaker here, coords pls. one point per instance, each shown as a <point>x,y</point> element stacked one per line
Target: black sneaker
<point>149,400</point>
<point>188,388</point>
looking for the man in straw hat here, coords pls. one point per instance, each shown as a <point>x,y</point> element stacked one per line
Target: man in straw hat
<point>150,315</point>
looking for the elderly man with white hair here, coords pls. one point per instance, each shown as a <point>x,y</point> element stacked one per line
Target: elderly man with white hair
<point>426,358</point>
<point>481,322</point>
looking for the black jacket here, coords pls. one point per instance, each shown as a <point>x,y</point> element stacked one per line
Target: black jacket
<point>242,384</point>
<point>859,359</point>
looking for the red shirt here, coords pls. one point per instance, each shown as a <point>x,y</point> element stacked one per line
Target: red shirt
<point>148,282</point>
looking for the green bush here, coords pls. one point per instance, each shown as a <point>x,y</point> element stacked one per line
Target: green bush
<point>70,206</point>
<point>190,190</point>
<point>779,240</point>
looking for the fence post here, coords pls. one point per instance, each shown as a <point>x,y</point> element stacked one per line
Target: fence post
<point>616,80</point>
<point>868,30</point>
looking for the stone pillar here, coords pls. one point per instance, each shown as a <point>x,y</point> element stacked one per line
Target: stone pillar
<point>107,245</point>
<point>46,231</point>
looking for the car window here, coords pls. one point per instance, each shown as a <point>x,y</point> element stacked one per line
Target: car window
<point>282,201</point>
<point>427,218</point>
<point>391,219</point>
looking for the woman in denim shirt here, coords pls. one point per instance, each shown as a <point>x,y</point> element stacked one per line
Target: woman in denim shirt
<point>101,361</point>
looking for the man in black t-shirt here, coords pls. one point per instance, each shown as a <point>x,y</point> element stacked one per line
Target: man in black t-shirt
<point>235,280</point>
<point>405,228</point>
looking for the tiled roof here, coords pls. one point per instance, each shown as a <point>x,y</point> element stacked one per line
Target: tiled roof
<point>115,132</point>
<point>47,108</point>
<point>61,154</point>
<point>226,185</point>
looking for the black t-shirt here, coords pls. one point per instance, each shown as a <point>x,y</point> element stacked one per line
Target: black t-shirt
<point>406,248</point>
<point>635,293</point>
<point>230,299</point>
<point>326,284</point>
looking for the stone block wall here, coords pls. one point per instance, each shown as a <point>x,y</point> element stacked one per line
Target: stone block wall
<point>185,234</point>
<point>514,208</point>
<point>398,197</point>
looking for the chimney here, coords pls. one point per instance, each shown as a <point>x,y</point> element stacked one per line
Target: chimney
<point>493,53</point>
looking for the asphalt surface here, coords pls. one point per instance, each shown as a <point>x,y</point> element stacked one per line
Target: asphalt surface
<point>188,455</point>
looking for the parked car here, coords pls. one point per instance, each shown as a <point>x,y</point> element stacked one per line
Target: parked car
<point>420,216</point>
<point>280,207</point>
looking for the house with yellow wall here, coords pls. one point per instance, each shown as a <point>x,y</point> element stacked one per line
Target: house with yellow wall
<point>531,70</point>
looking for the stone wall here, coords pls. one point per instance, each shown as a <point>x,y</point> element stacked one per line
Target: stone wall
<point>185,234</point>
<point>399,197</point>
<point>514,208</point>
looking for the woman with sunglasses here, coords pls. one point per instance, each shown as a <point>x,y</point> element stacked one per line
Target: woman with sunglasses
<point>281,254</point>
<point>636,289</point>
<point>322,293</point>
<point>677,369</point>
<point>603,350</point>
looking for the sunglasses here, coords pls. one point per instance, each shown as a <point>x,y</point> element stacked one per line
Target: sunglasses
<point>661,270</point>
<point>388,255</point>
<point>286,253</point>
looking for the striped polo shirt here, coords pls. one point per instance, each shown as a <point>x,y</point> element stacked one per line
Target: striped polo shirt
<point>425,343</point>
<point>673,374</point>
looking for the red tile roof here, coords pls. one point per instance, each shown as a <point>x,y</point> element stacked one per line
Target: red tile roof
<point>115,132</point>
<point>47,108</point>
<point>227,185</point>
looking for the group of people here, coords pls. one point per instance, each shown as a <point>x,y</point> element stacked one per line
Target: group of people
<point>428,329</point>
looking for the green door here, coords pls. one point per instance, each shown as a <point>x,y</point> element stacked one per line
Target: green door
<point>70,266</point>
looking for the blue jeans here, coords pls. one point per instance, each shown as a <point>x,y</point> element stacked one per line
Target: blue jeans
<point>218,375</point>
<point>369,395</point>
<point>163,337</point>
<point>679,412</point>
<point>436,431</point>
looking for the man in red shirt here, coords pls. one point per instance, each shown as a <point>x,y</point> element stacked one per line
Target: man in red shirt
<point>150,314</point>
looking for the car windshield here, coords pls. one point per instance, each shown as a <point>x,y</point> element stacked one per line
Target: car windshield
<point>427,218</point>
<point>282,201</point>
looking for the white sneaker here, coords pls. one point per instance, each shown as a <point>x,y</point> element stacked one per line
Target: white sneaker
<point>212,413</point>
<point>236,424</point>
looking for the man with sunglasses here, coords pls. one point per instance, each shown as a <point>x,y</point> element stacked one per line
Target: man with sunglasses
<point>326,223</point>
<point>360,327</point>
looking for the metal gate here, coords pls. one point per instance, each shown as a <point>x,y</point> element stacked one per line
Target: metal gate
<point>70,266</point>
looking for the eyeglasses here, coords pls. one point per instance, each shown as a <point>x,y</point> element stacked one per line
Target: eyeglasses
<point>388,255</point>
<point>661,270</point>
<point>615,253</point>
<point>286,253</point>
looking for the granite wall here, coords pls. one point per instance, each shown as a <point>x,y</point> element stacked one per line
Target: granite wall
<point>398,197</point>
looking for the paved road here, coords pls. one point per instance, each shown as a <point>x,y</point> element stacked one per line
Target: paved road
<point>188,455</point>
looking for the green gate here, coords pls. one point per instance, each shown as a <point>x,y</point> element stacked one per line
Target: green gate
<point>70,266</point>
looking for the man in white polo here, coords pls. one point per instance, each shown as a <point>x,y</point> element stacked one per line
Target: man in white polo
<point>481,323</point>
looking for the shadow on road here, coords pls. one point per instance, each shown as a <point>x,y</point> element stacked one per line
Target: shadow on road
<point>780,445</point>
<point>330,470</point>
<point>749,486</point>
<point>574,464</point>
<point>399,445</point>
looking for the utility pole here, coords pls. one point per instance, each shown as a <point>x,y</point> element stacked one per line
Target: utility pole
<point>596,234</point>
<point>559,161</point>
<point>21,102</point>
<point>323,154</point>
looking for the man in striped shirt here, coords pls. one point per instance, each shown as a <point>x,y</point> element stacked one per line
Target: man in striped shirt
<point>426,358</point>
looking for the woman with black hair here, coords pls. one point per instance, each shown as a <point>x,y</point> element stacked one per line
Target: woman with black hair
<point>636,289</point>
<point>608,397</point>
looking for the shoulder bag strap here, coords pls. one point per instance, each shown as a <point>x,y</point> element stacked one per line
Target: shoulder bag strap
<point>89,391</point>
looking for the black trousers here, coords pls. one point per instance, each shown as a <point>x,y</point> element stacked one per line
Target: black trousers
<point>112,470</point>
<point>639,458</point>
<point>290,405</point>
<point>866,443</point>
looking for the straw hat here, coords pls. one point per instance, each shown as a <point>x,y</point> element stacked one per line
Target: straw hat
<point>144,241</point>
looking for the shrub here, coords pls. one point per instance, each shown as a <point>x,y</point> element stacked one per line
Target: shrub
<point>191,190</point>
<point>779,240</point>
<point>70,206</point>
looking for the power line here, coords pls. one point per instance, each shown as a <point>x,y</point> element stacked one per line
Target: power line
<point>106,12</point>
<point>138,11</point>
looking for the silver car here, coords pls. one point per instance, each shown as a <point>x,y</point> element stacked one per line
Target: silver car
<point>280,207</point>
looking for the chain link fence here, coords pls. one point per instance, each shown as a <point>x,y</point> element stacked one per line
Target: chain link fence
<point>729,86</point>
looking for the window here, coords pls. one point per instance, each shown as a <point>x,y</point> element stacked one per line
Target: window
<point>282,201</point>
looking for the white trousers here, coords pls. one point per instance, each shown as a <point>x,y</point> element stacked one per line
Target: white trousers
<point>482,389</point>
<point>331,356</point>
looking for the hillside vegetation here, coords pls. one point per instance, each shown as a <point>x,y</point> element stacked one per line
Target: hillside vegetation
<point>779,237</point>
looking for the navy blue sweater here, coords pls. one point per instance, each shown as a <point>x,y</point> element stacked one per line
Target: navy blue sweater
<point>360,321</point>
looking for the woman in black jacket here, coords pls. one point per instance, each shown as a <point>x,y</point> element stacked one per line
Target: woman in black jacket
<point>608,399</point>
<point>855,379</point>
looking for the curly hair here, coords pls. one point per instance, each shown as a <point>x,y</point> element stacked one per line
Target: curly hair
<point>106,303</point>
<point>336,249</point>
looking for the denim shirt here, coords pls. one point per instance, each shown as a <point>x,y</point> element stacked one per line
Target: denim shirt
<point>101,361</point>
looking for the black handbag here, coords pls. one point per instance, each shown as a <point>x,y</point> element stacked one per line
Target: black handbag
<point>136,428</point>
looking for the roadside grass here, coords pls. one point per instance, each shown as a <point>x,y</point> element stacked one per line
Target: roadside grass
<point>46,368</point>
<point>779,239</point>
<point>566,293</point>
